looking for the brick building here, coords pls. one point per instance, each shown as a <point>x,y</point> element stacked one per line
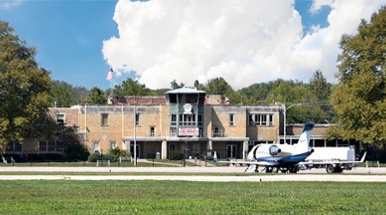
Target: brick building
<point>185,119</point>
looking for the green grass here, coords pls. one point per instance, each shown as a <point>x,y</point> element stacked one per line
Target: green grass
<point>182,197</point>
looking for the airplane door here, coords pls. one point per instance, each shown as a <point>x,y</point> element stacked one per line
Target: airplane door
<point>231,151</point>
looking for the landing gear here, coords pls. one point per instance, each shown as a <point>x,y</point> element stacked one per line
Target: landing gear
<point>334,169</point>
<point>293,169</point>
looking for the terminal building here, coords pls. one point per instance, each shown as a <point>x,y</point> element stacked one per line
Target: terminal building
<point>185,120</point>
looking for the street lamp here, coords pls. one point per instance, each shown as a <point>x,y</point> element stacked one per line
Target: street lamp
<point>135,133</point>
<point>285,119</point>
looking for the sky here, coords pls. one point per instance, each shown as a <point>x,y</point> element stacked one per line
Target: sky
<point>158,41</point>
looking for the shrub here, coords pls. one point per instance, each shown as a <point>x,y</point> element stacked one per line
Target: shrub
<point>176,155</point>
<point>118,152</point>
<point>96,156</point>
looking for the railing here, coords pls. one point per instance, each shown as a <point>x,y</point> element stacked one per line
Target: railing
<point>219,133</point>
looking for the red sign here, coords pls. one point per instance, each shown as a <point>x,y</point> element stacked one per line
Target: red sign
<point>188,132</point>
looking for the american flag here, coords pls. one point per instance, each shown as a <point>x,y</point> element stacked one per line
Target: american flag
<point>110,75</point>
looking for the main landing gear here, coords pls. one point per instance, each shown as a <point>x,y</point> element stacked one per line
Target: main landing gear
<point>330,168</point>
<point>274,169</point>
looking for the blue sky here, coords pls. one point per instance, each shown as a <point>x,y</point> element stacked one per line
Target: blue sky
<point>69,37</point>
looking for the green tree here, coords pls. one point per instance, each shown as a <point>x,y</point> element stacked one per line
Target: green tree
<point>175,85</point>
<point>62,94</point>
<point>319,87</point>
<point>359,100</point>
<point>218,86</point>
<point>97,96</point>
<point>132,87</point>
<point>258,93</point>
<point>66,95</point>
<point>24,90</point>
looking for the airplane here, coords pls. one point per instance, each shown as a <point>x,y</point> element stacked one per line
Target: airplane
<point>283,157</point>
<point>288,158</point>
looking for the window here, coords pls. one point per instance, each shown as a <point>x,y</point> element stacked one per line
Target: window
<point>187,119</point>
<point>263,118</point>
<point>173,132</point>
<point>42,146</point>
<point>60,119</point>
<point>104,119</point>
<point>270,120</point>
<point>260,119</point>
<point>173,121</point>
<point>14,146</point>
<point>51,146</point>
<point>231,119</point>
<point>152,131</point>
<point>95,146</point>
<point>200,120</point>
<point>113,144</point>
<point>216,132</point>
<point>137,119</point>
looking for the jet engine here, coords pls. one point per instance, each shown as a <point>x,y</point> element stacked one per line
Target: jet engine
<point>274,150</point>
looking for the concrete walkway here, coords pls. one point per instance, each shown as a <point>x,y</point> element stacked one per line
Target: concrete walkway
<point>64,173</point>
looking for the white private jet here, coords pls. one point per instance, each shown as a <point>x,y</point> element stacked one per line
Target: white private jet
<point>288,158</point>
<point>283,157</point>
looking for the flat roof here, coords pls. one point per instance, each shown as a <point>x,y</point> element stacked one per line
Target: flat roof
<point>185,90</point>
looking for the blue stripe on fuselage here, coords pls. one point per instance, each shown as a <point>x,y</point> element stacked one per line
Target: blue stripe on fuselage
<point>286,161</point>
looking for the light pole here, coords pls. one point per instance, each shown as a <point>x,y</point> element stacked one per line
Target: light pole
<point>135,133</point>
<point>285,119</point>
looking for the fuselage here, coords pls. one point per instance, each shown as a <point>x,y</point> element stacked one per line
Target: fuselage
<point>278,155</point>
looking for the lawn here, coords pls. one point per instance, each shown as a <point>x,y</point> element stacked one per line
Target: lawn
<point>182,197</point>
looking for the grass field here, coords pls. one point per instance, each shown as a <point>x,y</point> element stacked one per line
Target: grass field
<point>181,197</point>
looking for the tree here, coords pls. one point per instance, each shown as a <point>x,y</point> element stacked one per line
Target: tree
<point>218,86</point>
<point>62,94</point>
<point>97,96</point>
<point>24,90</point>
<point>132,87</point>
<point>319,87</point>
<point>359,100</point>
<point>175,85</point>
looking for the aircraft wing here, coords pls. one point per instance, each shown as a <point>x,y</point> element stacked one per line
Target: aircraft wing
<point>259,163</point>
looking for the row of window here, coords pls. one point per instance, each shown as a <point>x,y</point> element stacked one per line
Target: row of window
<point>190,119</point>
<point>95,146</point>
<point>260,119</point>
<point>105,119</point>
<point>186,119</point>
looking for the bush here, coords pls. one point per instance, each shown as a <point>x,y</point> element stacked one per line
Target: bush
<point>118,152</point>
<point>176,155</point>
<point>96,156</point>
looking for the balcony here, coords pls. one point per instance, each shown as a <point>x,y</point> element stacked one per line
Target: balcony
<point>218,133</point>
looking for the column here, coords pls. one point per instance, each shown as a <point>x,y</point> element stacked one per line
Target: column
<point>210,145</point>
<point>164,150</point>
<point>245,149</point>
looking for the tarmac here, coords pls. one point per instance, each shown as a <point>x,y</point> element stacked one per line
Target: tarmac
<point>359,174</point>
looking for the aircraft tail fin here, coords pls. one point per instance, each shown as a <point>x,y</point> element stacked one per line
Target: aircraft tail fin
<point>304,139</point>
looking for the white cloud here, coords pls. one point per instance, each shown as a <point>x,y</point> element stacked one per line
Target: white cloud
<point>7,4</point>
<point>244,42</point>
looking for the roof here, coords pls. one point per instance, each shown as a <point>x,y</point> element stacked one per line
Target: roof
<point>185,90</point>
